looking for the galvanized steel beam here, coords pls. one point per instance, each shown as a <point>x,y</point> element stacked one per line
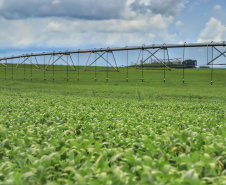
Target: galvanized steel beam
<point>153,46</point>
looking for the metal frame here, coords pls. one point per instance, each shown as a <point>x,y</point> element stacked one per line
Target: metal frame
<point>162,46</point>
<point>151,54</point>
<point>28,59</point>
<point>102,51</point>
<point>3,64</point>
<point>59,57</point>
<point>213,59</point>
<point>101,56</point>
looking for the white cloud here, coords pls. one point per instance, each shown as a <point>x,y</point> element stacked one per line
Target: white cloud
<point>18,33</point>
<point>217,8</point>
<point>214,31</point>
<point>179,23</point>
<point>53,26</point>
<point>59,32</point>
<point>55,2</point>
<point>163,7</point>
<point>85,9</point>
<point>44,31</point>
<point>102,23</point>
<point>193,6</point>
<point>88,9</point>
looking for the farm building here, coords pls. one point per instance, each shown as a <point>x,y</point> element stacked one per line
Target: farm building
<point>177,61</point>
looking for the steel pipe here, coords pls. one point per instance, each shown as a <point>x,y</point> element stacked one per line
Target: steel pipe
<point>154,46</point>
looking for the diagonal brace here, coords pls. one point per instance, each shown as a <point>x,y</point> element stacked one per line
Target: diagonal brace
<point>158,60</point>
<point>37,62</point>
<point>26,58</point>
<point>95,60</point>
<point>72,61</point>
<point>219,51</point>
<point>152,54</point>
<point>33,63</point>
<point>216,57</point>
<point>48,62</point>
<point>146,58</point>
<point>107,62</point>
<point>3,64</point>
<point>115,60</point>
<point>18,62</point>
<point>88,60</point>
<point>53,62</point>
<point>60,57</point>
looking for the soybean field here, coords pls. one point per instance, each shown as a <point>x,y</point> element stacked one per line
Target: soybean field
<point>113,132</point>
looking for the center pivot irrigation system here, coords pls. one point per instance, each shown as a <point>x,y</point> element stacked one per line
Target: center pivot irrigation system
<point>102,53</point>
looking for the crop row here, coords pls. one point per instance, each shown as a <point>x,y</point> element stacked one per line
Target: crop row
<point>75,140</point>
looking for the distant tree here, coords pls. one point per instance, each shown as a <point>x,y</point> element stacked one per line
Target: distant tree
<point>190,63</point>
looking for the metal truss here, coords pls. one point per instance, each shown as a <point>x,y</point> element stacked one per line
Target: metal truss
<point>28,59</point>
<point>60,57</point>
<point>152,54</point>
<point>213,59</point>
<point>102,51</point>
<point>99,57</point>
<point>162,46</point>
<point>3,64</point>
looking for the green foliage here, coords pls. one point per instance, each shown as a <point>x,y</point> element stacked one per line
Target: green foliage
<point>113,133</point>
<point>189,63</point>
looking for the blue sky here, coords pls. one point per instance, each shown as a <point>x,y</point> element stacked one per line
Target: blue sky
<point>55,25</point>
